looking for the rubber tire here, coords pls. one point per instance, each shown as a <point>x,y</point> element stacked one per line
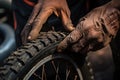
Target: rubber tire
<point>17,65</point>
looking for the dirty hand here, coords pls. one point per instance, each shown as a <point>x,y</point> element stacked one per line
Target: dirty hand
<point>94,31</point>
<point>42,10</point>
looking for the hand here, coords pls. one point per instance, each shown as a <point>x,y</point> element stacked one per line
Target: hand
<point>94,31</point>
<point>42,10</point>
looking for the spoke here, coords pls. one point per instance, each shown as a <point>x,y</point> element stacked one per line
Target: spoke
<point>75,78</point>
<point>56,67</point>
<point>67,73</point>
<point>37,76</point>
<point>43,73</point>
<point>57,77</point>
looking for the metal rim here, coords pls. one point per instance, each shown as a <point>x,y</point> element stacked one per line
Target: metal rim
<point>70,71</point>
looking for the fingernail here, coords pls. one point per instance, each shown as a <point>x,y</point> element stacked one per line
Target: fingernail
<point>29,37</point>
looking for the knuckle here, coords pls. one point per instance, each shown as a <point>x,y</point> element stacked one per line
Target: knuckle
<point>111,15</point>
<point>74,36</point>
<point>111,21</point>
<point>93,33</point>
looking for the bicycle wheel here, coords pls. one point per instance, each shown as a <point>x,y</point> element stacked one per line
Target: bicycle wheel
<point>38,60</point>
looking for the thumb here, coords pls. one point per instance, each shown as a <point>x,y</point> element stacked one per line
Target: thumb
<point>73,37</point>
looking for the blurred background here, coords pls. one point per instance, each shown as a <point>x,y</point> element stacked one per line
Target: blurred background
<point>6,12</point>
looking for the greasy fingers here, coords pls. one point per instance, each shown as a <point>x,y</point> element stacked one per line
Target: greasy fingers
<point>38,23</point>
<point>42,10</point>
<point>43,16</point>
<point>72,38</point>
<point>34,13</point>
<point>94,31</point>
<point>67,21</point>
<point>27,28</point>
<point>25,33</point>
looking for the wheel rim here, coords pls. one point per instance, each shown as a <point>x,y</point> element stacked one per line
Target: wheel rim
<point>54,67</point>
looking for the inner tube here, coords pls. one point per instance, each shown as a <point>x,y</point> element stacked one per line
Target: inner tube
<point>8,43</point>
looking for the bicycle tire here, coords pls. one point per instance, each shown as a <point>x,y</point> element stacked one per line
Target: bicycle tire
<point>20,62</point>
